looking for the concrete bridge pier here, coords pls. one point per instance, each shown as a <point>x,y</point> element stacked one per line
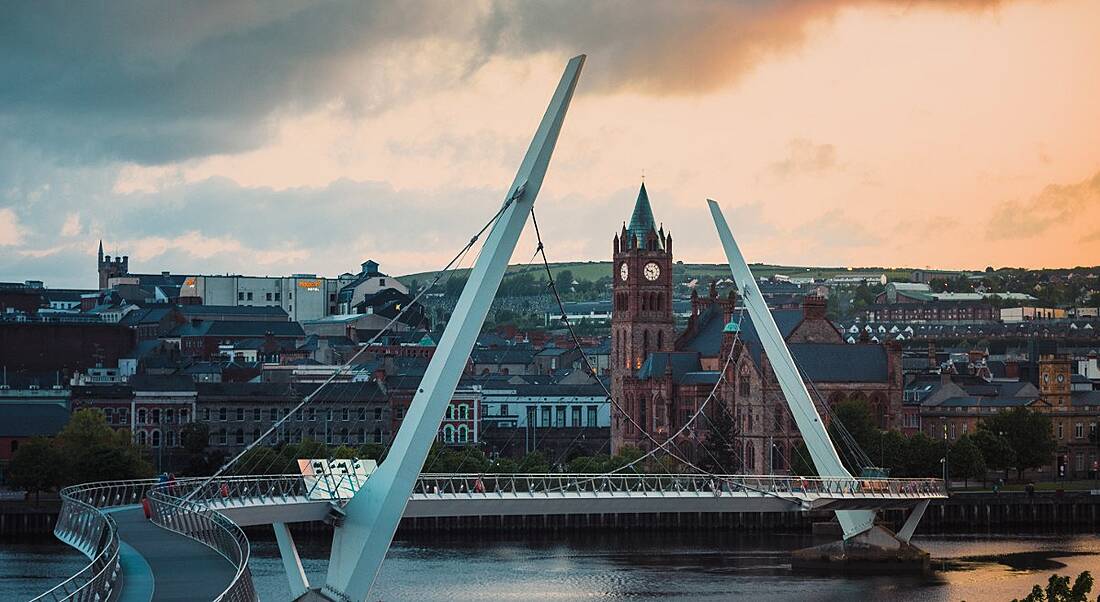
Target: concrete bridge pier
<point>875,550</point>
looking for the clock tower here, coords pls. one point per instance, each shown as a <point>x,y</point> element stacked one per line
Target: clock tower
<point>642,321</point>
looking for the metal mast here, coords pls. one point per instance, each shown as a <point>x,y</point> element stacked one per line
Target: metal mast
<point>824,455</point>
<point>360,542</point>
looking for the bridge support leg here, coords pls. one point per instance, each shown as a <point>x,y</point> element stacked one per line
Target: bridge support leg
<point>292,563</point>
<point>911,521</point>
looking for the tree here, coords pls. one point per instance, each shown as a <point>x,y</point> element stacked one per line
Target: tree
<point>923,456</point>
<point>854,415</point>
<point>996,451</point>
<point>719,450</point>
<point>966,460</point>
<point>93,451</point>
<point>36,466</point>
<point>534,462</point>
<point>372,451</point>
<point>563,282</point>
<point>1028,434</point>
<point>194,437</point>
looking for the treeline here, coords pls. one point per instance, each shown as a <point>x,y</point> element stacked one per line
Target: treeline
<point>1017,440</point>
<point>86,450</point>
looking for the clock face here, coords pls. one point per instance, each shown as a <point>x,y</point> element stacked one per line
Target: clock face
<point>624,271</point>
<point>652,271</point>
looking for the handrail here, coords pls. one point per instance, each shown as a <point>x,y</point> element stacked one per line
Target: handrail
<point>208,527</point>
<point>82,525</point>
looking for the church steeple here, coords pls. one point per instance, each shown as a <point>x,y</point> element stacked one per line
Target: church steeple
<point>641,221</point>
<point>100,252</point>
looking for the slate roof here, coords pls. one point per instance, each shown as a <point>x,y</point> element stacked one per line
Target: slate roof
<point>1085,398</point>
<point>506,355</point>
<point>825,363</point>
<point>681,363</point>
<point>167,382</point>
<point>708,377</point>
<point>32,419</point>
<point>145,315</point>
<point>238,328</point>
<point>1000,402</point>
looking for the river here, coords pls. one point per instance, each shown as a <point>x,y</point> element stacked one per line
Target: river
<point>638,565</point>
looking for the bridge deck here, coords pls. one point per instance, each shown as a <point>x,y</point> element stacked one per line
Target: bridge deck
<point>183,569</point>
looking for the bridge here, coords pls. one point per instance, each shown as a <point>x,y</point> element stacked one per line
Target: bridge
<point>193,547</point>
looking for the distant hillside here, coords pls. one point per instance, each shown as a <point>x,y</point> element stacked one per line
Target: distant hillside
<point>594,270</point>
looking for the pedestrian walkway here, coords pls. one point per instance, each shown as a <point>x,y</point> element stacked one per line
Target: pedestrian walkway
<point>182,569</point>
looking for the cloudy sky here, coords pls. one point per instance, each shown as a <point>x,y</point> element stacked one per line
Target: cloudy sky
<point>292,136</point>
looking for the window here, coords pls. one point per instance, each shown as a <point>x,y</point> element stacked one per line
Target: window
<point>361,413</point>
<point>240,436</point>
<point>503,409</point>
<point>952,430</point>
<point>249,296</point>
<point>328,415</point>
<point>141,438</point>
<point>256,434</point>
<point>576,416</point>
<point>377,435</point>
<point>268,297</point>
<point>545,417</point>
<point>240,414</point>
<point>559,416</point>
<point>377,413</point>
<point>1060,433</point>
<point>256,414</point>
<point>156,439</point>
<point>141,416</point>
<point>221,414</point>
<point>381,282</point>
<point>109,413</point>
<point>449,434</point>
<point>464,412</point>
<point>170,438</point>
<point>278,296</point>
<point>169,416</point>
<point>123,416</point>
<point>223,437</point>
<point>206,413</point>
<point>592,420</point>
<point>273,414</point>
<point>1079,431</point>
<point>1080,462</point>
<point>240,296</point>
<point>313,413</point>
<point>344,414</point>
<point>744,386</point>
<point>463,434</point>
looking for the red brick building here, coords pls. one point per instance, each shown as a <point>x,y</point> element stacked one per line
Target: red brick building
<point>661,380</point>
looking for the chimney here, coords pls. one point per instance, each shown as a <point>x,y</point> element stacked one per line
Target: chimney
<point>813,307</point>
<point>932,363</point>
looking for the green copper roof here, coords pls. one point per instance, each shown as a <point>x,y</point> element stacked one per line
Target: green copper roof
<point>641,221</point>
<point>732,326</point>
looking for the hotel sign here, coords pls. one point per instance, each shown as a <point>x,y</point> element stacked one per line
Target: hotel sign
<point>312,285</point>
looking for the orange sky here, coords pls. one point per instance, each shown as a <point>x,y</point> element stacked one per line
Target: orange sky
<point>853,133</point>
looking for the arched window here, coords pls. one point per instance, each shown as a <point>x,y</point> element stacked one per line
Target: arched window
<point>645,301</point>
<point>645,342</point>
<point>449,434</point>
<point>660,340</point>
<point>778,462</point>
<point>880,411</point>
<point>141,416</point>
<point>156,438</point>
<point>463,434</point>
<point>377,435</point>
<point>750,458</point>
<point>744,383</point>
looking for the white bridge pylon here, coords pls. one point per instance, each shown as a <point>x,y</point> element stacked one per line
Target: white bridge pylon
<point>371,517</point>
<point>810,426</point>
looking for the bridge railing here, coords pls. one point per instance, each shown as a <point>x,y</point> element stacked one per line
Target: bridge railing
<point>82,524</point>
<point>553,483</point>
<point>227,491</point>
<point>173,508</point>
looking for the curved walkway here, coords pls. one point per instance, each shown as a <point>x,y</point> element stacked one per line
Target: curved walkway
<point>183,570</point>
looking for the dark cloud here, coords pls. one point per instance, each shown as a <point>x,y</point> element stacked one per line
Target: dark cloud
<point>159,82</point>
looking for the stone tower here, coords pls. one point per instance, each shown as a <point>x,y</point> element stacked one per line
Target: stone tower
<point>642,321</point>
<point>108,268</point>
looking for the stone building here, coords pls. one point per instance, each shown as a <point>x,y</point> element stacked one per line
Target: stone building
<point>660,379</point>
